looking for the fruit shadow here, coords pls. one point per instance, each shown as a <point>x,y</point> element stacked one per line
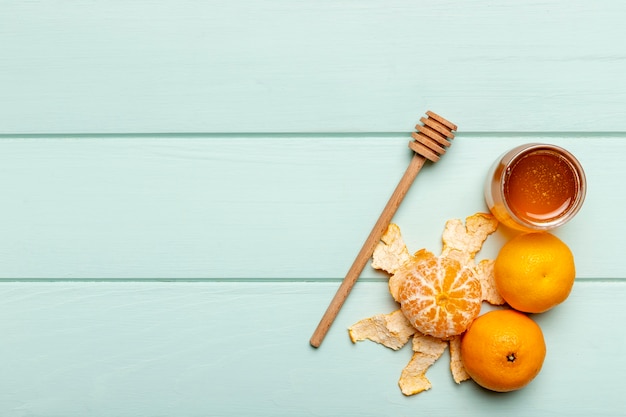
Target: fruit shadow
<point>503,398</point>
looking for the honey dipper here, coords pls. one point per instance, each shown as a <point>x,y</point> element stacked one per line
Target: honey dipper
<point>430,141</point>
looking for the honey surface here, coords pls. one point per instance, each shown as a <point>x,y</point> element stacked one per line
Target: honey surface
<point>540,186</point>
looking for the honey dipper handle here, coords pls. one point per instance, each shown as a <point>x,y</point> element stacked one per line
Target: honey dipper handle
<point>416,164</point>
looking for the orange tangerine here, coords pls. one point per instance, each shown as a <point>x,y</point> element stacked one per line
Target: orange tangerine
<point>534,272</point>
<point>438,295</point>
<point>503,350</point>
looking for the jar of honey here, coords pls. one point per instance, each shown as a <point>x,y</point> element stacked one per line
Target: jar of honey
<point>535,187</point>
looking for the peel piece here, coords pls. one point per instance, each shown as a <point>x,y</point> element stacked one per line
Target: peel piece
<point>392,330</point>
<point>484,272</point>
<point>456,364</point>
<point>463,242</point>
<point>427,350</point>
<point>391,252</point>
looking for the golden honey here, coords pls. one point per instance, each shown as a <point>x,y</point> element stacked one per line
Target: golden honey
<point>535,187</point>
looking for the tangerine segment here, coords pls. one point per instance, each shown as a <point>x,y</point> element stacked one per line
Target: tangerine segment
<point>439,296</point>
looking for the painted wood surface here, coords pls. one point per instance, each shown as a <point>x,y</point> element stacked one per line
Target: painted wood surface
<point>271,207</point>
<point>184,183</point>
<point>282,66</point>
<point>212,349</point>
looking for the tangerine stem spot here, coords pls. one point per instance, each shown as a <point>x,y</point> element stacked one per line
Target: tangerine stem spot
<point>510,357</point>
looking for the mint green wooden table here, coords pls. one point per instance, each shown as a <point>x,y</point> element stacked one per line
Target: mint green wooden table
<point>185,183</point>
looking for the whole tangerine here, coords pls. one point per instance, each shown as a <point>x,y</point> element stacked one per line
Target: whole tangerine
<point>534,272</point>
<point>503,350</point>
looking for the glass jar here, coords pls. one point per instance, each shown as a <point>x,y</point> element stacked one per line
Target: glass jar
<point>535,187</point>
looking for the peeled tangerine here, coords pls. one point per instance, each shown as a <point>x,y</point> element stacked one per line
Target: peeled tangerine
<point>439,297</point>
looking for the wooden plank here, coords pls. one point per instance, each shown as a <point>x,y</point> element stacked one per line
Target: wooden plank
<point>276,207</point>
<point>326,66</point>
<point>127,349</point>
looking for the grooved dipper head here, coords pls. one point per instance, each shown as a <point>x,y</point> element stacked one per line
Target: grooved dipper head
<point>432,138</point>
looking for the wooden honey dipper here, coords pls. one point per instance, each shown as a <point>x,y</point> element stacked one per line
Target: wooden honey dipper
<point>431,141</point>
